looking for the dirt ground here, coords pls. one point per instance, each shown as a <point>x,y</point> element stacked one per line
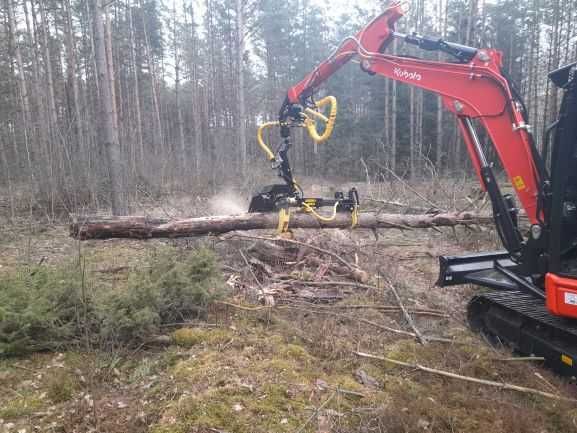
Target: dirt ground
<point>289,366</point>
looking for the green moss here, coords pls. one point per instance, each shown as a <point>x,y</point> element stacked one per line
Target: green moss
<point>21,406</point>
<point>402,350</point>
<point>276,405</point>
<point>296,352</point>
<point>302,275</point>
<point>213,409</point>
<point>177,428</point>
<point>397,384</point>
<point>188,337</point>
<point>171,357</point>
<point>207,369</point>
<point>272,342</point>
<point>278,365</point>
<point>235,409</point>
<point>347,382</point>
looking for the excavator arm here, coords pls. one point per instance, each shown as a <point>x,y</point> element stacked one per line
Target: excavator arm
<point>472,87</point>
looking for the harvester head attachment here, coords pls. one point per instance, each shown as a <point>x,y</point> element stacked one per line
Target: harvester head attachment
<point>271,198</point>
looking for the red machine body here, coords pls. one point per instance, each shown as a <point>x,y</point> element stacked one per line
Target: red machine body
<point>561,295</point>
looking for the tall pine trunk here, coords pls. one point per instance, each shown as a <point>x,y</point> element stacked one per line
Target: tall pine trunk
<point>240,85</point>
<point>108,136</point>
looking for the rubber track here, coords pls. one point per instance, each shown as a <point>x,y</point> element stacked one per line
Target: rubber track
<point>529,307</point>
<point>523,322</point>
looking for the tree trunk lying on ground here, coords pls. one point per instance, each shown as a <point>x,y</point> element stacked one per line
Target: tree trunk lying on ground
<point>140,227</point>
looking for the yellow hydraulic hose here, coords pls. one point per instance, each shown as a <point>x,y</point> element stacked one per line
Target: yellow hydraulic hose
<point>329,122</point>
<point>354,214</point>
<point>318,216</point>
<point>311,116</point>
<point>261,142</point>
<point>310,124</point>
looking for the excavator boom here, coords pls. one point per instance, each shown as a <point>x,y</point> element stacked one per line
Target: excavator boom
<point>472,88</point>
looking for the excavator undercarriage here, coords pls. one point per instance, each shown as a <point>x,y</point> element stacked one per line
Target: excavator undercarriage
<point>522,322</point>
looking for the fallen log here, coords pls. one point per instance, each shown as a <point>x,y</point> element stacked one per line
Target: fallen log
<point>142,227</point>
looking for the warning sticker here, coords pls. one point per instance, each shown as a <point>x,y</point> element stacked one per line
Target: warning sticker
<point>571,298</point>
<point>519,183</point>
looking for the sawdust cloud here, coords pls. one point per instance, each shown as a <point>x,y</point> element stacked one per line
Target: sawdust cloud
<point>227,202</point>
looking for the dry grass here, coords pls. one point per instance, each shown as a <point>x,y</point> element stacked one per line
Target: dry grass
<point>267,370</point>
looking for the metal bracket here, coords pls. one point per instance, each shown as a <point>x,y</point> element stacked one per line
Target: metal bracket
<point>284,215</point>
<point>523,125</point>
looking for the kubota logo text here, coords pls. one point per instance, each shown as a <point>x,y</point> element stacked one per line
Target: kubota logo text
<point>403,73</point>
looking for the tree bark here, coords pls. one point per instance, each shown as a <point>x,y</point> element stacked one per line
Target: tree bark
<point>136,91</point>
<point>196,102</point>
<point>109,137</point>
<point>111,73</point>
<point>240,83</point>
<point>141,227</point>
<point>53,112</point>
<point>157,131</point>
<point>71,59</point>
<point>179,120</point>
<point>18,56</point>
<point>42,121</point>
<point>394,94</point>
<point>23,88</point>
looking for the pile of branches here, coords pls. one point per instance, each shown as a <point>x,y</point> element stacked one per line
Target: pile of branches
<point>289,272</point>
<point>283,270</point>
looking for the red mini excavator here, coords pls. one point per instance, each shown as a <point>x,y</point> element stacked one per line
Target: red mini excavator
<point>533,304</point>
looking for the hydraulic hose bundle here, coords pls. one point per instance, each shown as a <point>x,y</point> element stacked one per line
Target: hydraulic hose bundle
<point>282,197</point>
<point>309,118</point>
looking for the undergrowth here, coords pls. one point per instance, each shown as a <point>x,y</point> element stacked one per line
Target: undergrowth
<point>48,308</point>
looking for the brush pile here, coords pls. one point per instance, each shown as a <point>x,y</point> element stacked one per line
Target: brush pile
<point>318,275</point>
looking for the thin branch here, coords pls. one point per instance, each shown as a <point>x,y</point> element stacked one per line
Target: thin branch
<point>371,323</point>
<point>410,320</point>
<point>294,242</point>
<point>399,204</point>
<point>328,283</point>
<point>521,359</point>
<point>243,307</point>
<point>382,308</point>
<point>385,309</point>
<point>316,412</point>
<point>413,190</point>
<point>250,268</point>
<point>501,385</point>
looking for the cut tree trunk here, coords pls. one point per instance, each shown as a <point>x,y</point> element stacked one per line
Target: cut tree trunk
<point>141,227</point>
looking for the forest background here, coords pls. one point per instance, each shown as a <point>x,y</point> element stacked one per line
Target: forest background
<point>109,102</point>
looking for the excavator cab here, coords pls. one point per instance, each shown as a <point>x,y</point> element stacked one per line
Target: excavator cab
<point>563,202</point>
